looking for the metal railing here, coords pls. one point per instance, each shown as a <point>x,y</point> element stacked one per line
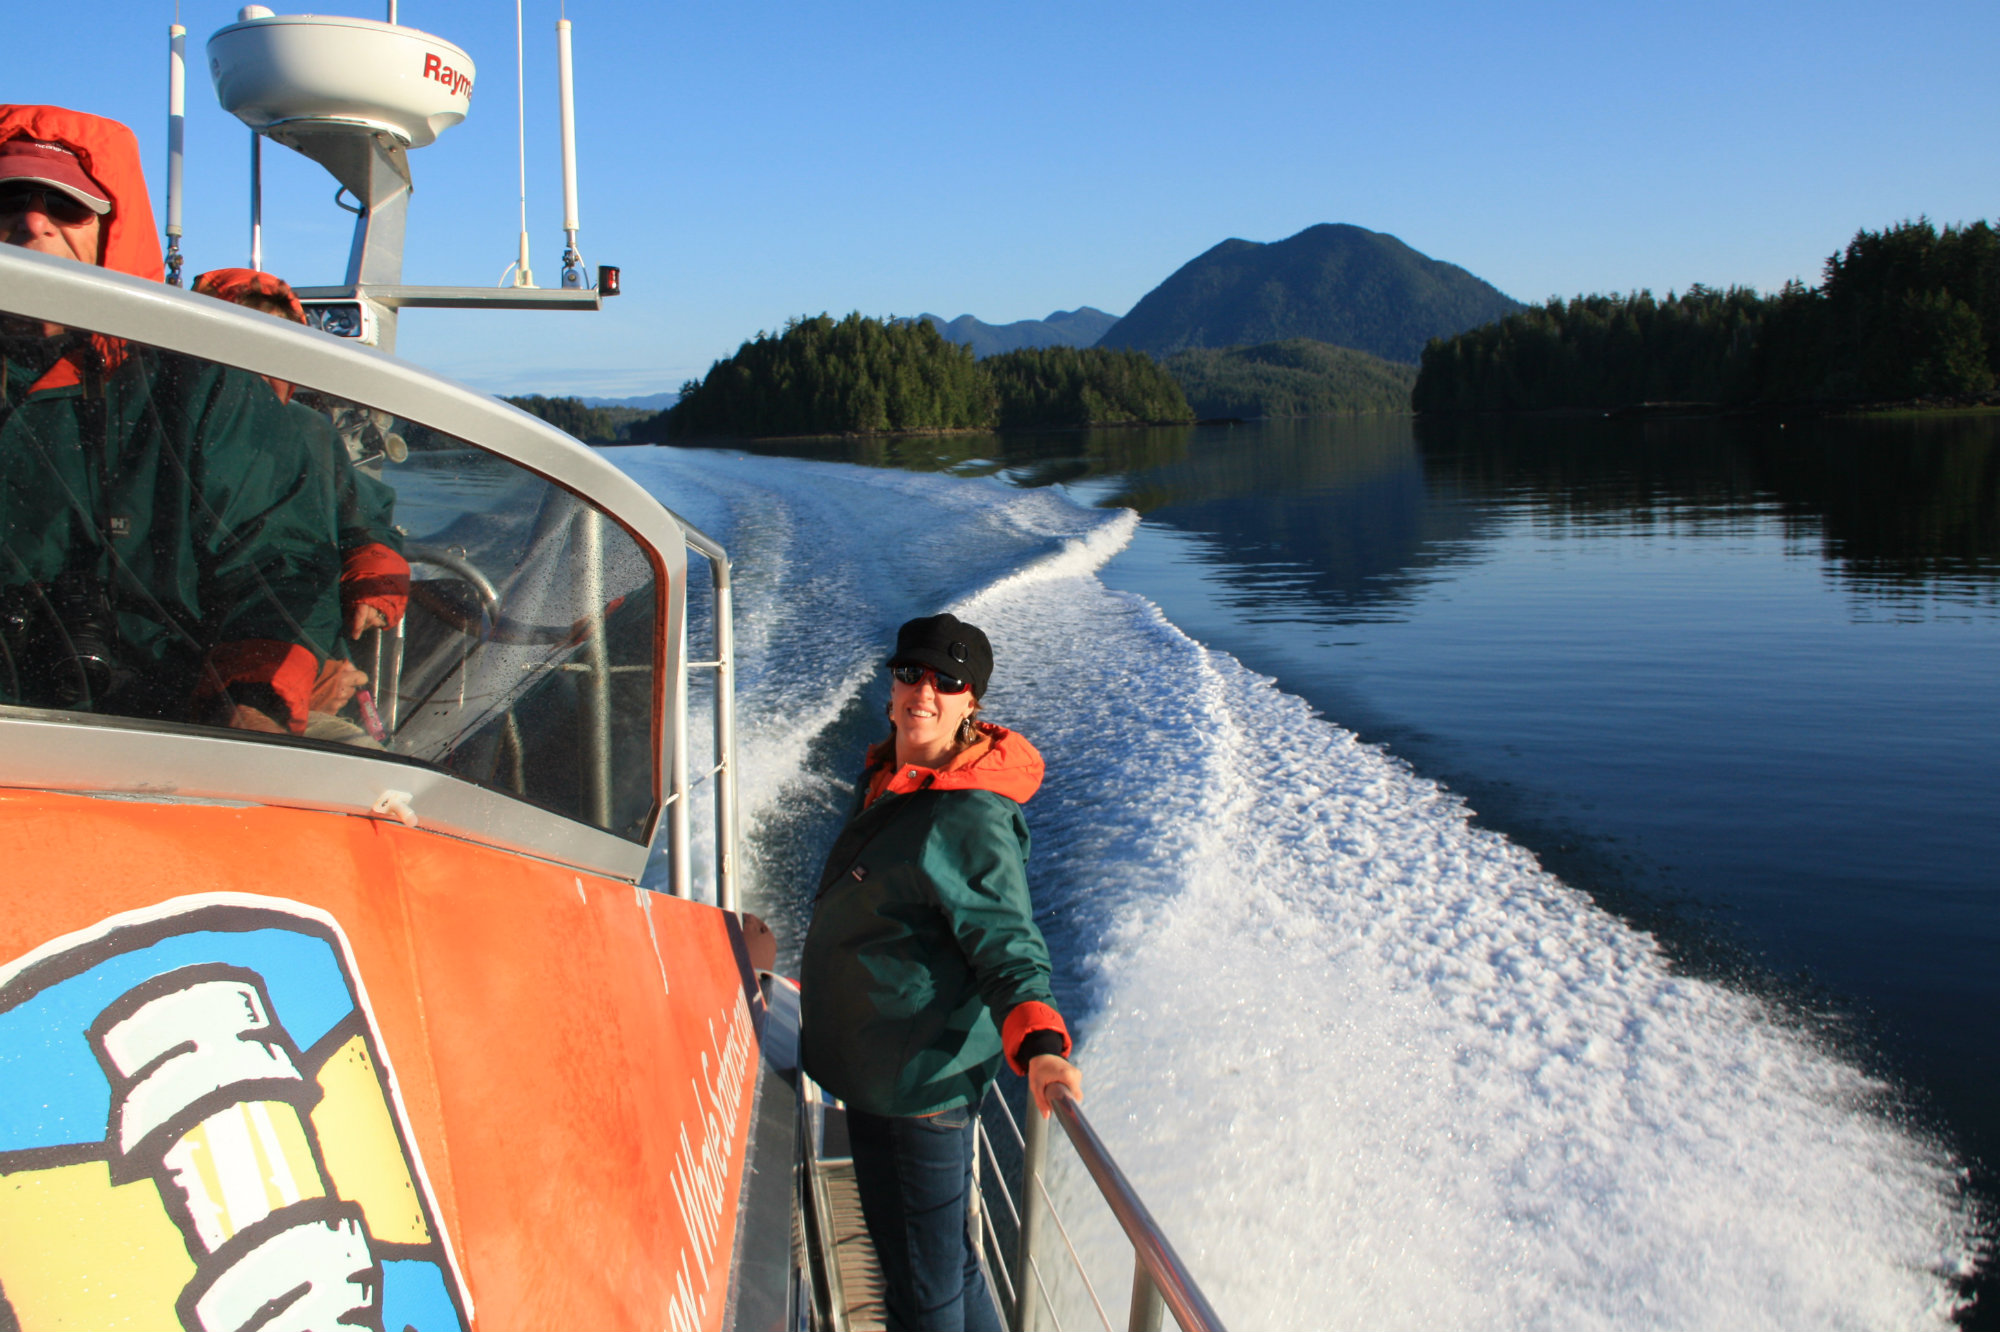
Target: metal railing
<point>596,738</point>
<point>1160,1280</point>
<point>724,770</point>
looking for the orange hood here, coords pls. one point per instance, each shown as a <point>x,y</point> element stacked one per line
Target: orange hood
<point>233,284</point>
<point>110,154</point>
<point>1000,761</point>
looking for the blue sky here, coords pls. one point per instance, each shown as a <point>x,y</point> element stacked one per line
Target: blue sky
<point>746,162</point>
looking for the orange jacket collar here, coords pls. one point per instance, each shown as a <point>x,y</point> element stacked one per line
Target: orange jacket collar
<point>1000,761</point>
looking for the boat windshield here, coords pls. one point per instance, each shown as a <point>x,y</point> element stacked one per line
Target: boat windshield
<point>195,545</point>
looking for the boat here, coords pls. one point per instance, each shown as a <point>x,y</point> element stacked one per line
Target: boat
<point>385,1018</point>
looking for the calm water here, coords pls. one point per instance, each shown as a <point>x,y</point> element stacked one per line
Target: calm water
<point>1739,682</point>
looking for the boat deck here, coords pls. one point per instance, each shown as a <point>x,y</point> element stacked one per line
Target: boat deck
<point>856,1273</point>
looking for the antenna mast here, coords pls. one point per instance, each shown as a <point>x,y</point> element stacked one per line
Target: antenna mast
<point>523,276</point>
<point>176,142</point>
<point>572,272</point>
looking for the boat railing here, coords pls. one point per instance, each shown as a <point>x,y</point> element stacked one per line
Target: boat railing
<point>723,771</point>
<point>597,739</point>
<point>387,661</point>
<point>1160,1280</point>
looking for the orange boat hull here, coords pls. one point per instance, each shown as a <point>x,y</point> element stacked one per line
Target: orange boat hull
<point>567,1061</point>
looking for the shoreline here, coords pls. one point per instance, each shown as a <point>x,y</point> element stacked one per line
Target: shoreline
<point>1969,404</point>
<point>1978,404</point>
<point>942,432</point>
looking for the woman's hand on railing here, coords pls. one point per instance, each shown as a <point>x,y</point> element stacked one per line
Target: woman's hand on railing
<point>1044,1071</point>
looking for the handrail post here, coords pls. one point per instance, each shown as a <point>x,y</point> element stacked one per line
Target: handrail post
<point>680,879</point>
<point>725,733</point>
<point>1158,1262</point>
<point>1034,1154</point>
<point>1147,1303</point>
<point>596,692</point>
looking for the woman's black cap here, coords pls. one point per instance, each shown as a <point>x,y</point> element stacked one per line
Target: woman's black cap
<point>947,644</point>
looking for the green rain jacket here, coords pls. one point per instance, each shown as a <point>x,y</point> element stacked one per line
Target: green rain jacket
<point>157,501</point>
<point>189,496</point>
<point>923,936</point>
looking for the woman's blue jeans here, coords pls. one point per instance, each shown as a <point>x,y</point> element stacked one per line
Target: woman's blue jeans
<point>915,1180</point>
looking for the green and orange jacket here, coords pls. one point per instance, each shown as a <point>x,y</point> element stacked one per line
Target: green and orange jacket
<point>923,934</point>
<point>193,498</point>
<point>183,490</point>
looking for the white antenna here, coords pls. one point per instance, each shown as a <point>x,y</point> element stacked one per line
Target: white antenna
<point>256,201</point>
<point>176,140</point>
<point>523,276</point>
<point>572,272</point>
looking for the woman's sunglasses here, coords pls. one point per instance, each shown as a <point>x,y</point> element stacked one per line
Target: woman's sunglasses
<point>944,684</point>
<point>60,207</point>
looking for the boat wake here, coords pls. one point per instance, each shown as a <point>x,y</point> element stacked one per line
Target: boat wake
<point>1370,1065</point>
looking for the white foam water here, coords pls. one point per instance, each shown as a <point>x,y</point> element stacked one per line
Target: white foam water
<point>1369,1064</point>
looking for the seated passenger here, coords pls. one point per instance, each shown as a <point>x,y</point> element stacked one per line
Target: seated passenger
<point>166,542</point>
<point>374,576</point>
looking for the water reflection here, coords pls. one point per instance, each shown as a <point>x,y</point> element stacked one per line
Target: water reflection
<point>1361,509</point>
<point>1897,505</point>
<point>1027,459</point>
<point>1332,522</point>
<point>1902,501</point>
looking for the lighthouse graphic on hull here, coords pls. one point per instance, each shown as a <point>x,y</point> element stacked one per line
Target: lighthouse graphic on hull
<point>198,1130</point>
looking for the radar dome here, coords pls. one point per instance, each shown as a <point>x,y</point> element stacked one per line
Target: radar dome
<point>316,71</point>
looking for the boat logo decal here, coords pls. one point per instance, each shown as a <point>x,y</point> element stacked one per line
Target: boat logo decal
<point>199,1128</point>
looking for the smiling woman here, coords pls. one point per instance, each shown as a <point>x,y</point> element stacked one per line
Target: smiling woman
<point>923,966</point>
<point>932,712</point>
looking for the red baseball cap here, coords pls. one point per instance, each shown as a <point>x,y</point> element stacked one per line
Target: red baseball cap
<point>53,165</point>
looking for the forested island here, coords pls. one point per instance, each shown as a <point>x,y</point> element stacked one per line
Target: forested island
<point>1293,378</point>
<point>1909,312</point>
<point>857,375</point>
<point>593,425</point>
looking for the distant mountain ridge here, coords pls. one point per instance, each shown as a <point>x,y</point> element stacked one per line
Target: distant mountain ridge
<point>1081,327</point>
<point>1332,283</point>
<point>652,402</point>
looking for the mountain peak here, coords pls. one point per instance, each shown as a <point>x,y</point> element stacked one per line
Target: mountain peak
<point>1333,282</point>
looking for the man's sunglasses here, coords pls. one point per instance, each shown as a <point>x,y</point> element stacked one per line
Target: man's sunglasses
<point>944,684</point>
<point>61,208</point>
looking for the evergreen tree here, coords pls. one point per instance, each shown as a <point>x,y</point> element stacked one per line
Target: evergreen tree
<point>866,376</point>
<point>1296,377</point>
<point>1909,311</point>
<point>822,376</point>
<point>595,424</point>
<point>1074,386</point>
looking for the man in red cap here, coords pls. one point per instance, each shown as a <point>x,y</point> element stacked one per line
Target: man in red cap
<point>71,186</point>
<point>166,553</point>
<point>48,202</point>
